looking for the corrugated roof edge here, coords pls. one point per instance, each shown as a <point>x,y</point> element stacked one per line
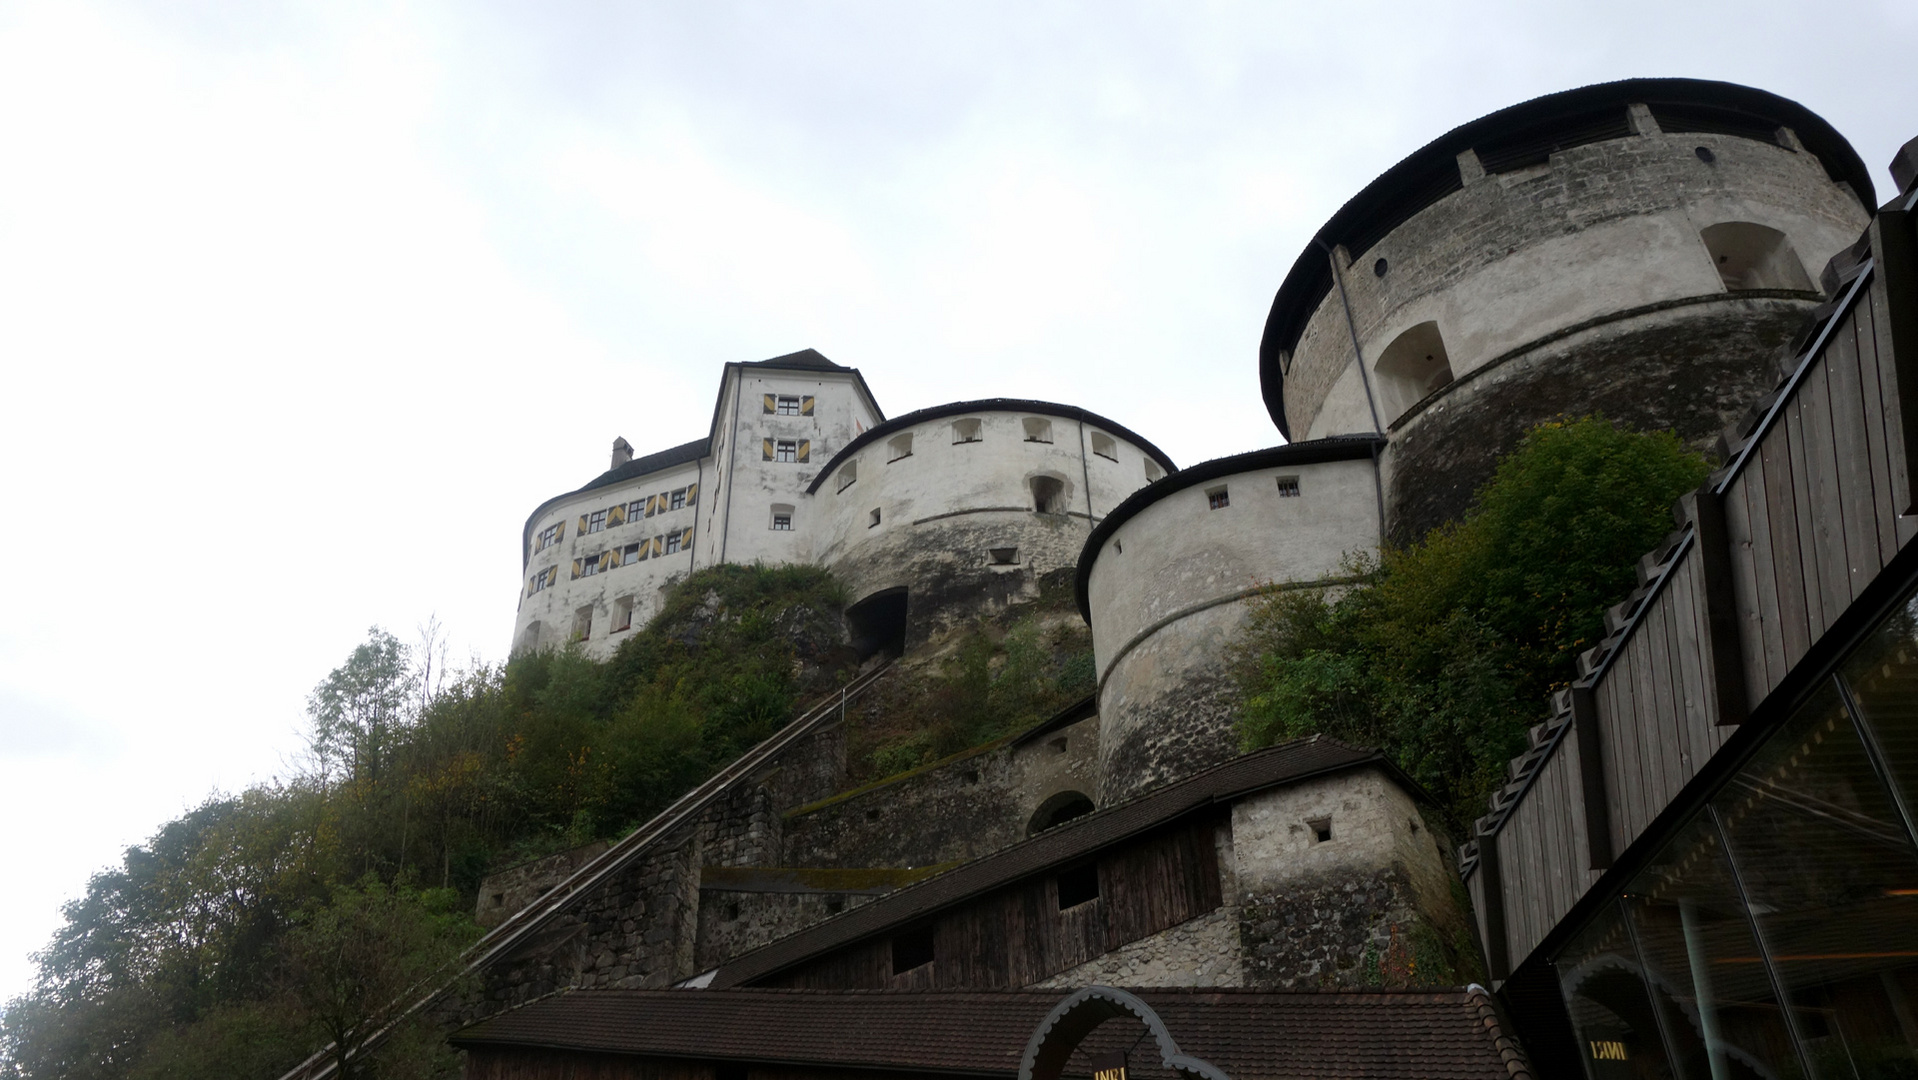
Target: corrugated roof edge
<point>1290,762</point>
<point>1335,448</point>
<point>1048,408</point>
<point>1309,279</point>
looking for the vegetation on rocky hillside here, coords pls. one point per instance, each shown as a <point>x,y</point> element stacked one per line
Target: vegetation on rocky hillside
<point>1451,648</point>
<point>221,946</point>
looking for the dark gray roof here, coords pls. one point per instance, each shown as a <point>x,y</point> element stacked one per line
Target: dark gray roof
<point>803,360</point>
<point>1335,448</point>
<point>1431,172</point>
<point>1437,1034</point>
<point>1020,405</point>
<point>1065,843</point>
<point>638,467</point>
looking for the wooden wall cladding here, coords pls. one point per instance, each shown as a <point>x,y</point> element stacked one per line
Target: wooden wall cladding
<point>1802,518</point>
<point>1016,936</point>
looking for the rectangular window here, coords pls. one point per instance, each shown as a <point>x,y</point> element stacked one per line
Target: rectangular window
<point>1037,429</point>
<point>899,447</point>
<point>679,499</point>
<point>785,450</point>
<point>965,431</point>
<point>635,509</point>
<point>788,405</point>
<point>672,542</point>
<point>623,614</point>
<point>782,523</point>
<point>630,554</point>
<point>1217,499</point>
<point>872,522</point>
<point>911,949</point>
<point>1078,885</point>
<point>596,522</point>
<point>544,579</point>
<point>549,536</point>
<point>582,624</point>
<point>1105,446</point>
<point>590,566</point>
<point>1288,487</point>
<point>848,474</point>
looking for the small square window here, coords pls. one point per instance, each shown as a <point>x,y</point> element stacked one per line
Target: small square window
<point>549,536</point>
<point>782,523</point>
<point>1217,498</point>
<point>679,499</point>
<point>873,521</point>
<point>911,949</point>
<point>1005,556</point>
<point>591,567</point>
<point>1153,474</point>
<point>672,542</point>
<point>1321,829</point>
<point>1037,429</point>
<point>786,450</point>
<point>596,522</point>
<point>965,431</point>
<point>1105,446</point>
<point>635,509</point>
<point>788,405</point>
<point>848,474</point>
<point>1288,487</point>
<point>630,554</point>
<point>899,447</point>
<point>1078,885</point>
<point>623,614</point>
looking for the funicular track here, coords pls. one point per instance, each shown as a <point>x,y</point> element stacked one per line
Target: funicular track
<point>522,924</point>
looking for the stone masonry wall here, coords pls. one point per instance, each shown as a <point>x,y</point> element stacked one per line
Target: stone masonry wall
<point>1199,952</point>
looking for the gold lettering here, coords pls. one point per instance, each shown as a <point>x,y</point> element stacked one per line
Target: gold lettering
<point>1608,1050</point>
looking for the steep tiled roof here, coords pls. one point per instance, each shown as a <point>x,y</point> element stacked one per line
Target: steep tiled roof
<point>803,360</point>
<point>1073,840</point>
<point>1446,1034</point>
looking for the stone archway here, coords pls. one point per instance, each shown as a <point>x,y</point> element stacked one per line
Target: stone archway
<point>1070,1021</point>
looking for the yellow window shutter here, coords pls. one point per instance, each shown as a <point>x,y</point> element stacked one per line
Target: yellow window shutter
<point>805,405</point>
<point>771,404</point>
<point>767,450</point>
<point>645,550</point>
<point>561,534</point>
<point>659,544</point>
<point>686,540</point>
<point>582,524</point>
<point>692,494</point>
<point>805,450</point>
<point>529,584</point>
<point>605,561</point>
<point>652,502</point>
<point>616,515</point>
<point>576,569</point>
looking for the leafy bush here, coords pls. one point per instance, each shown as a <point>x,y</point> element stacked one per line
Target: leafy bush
<point>1449,650</point>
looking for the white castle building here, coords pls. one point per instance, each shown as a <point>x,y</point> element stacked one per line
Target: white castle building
<point>949,510</point>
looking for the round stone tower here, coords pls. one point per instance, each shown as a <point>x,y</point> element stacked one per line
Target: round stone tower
<point>1641,249</point>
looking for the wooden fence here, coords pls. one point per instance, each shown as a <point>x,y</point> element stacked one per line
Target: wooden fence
<point>1803,516</point>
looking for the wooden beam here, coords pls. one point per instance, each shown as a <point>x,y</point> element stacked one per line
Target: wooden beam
<point>1498,959</point>
<point>1896,251</point>
<point>1591,775</point>
<point>1711,546</point>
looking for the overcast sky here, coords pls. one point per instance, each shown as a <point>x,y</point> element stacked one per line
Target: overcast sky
<point>303,309</point>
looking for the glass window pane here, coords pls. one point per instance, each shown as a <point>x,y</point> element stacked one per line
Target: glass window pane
<point>1605,994</point>
<point>1883,675</point>
<point>1721,1017</point>
<point>1833,880</point>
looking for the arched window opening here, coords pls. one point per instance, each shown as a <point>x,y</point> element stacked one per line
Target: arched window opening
<point>1058,810</point>
<point>1413,366</point>
<point>1153,474</point>
<point>1038,429</point>
<point>878,624</point>
<point>1105,446</point>
<point>848,474</point>
<point>1048,495</point>
<point>529,639</point>
<point>965,431</point>
<point>1752,256</point>
<point>899,447</point>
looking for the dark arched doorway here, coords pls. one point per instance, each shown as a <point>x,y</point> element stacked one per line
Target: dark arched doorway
<point>878,623</point>
<point>1070,1021</point>
<point>1058,810</point>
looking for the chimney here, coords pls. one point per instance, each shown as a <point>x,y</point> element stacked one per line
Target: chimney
<point>622,452</point>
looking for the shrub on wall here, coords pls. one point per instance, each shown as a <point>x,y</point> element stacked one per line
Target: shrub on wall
<point>1449,650</point>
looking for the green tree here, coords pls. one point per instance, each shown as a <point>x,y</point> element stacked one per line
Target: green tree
<point>1449,649</point>
<point>358,710</point>
<point>355,964</point>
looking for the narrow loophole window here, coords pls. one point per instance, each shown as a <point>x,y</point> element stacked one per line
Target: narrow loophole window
<point>1288,487</point>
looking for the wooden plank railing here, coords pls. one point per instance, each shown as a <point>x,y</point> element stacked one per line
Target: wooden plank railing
<point>1807,510</point>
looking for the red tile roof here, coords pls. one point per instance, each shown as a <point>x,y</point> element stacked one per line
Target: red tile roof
<point>1449,1034</point>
